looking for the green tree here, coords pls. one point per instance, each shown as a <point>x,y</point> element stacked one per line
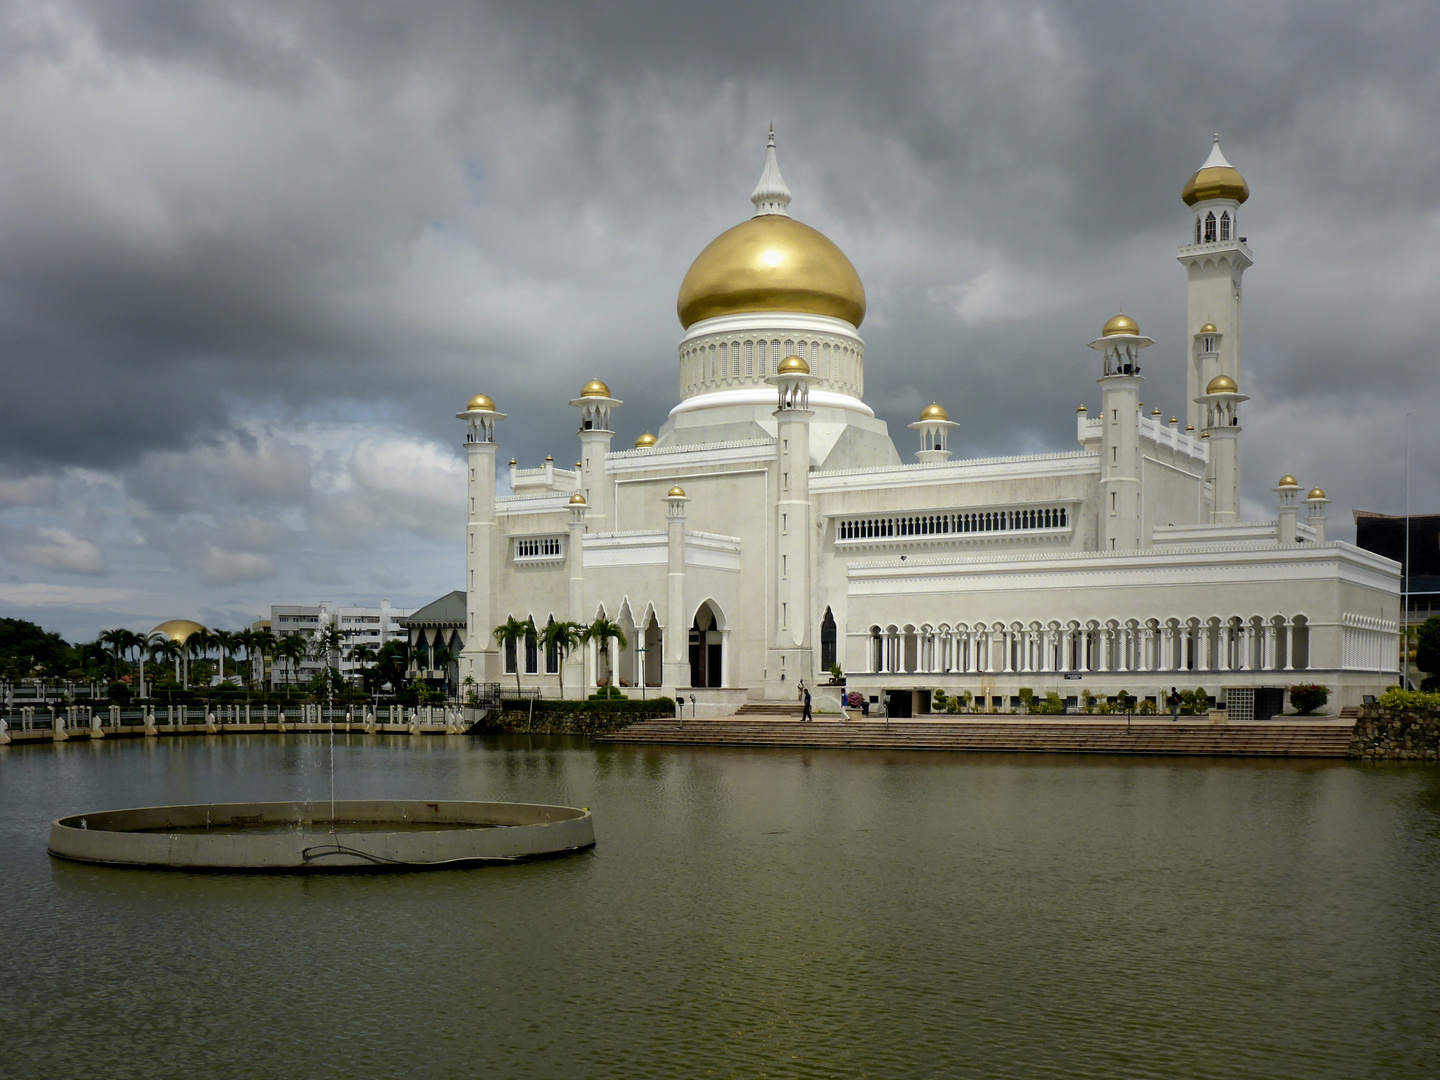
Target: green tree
<point>226,644</point>
<point>601,631</point>
<point>561,638</point>
<point>510,634</point>
<point>326,645</point>
<point>392,661</point>
<point>1427,646</point>
<point>166,650</point>
<point>292,648</point>
<point>25,646</point>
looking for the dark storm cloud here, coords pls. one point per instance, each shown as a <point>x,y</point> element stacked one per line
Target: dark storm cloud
<point>230,218</point>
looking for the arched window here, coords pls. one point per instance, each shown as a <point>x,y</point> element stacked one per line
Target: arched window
<point>827,641</point>
<point>1225,225</point>
<point>552,654</point>
<point>1210,227</point>
<point>532,654</point>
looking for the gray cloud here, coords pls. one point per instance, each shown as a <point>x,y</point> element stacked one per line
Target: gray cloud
<point>229,225</point>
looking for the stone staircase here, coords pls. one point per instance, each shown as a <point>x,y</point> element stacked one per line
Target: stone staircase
<point>758,709</point>
<point>760,728</point>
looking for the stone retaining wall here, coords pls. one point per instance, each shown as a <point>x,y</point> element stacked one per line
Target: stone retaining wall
<point>1396,735</point>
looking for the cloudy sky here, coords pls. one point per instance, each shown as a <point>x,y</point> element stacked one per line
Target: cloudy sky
<point>254,256</point>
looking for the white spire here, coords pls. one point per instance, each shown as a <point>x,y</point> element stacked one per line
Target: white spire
<point>771,196</point>
<point>1216,160</point>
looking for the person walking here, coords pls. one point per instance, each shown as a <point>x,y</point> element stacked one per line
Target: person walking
<point>807,715</point>
<point>1174,702</point>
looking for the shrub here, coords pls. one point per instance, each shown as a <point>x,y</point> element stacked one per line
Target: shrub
<point>938,701</point>
<point>1147,708</point>
<point>1307,697</point>
<point>1051,705</point>
<point>119,692</point>
<point>837,673</point>
<point>1399,698</point>
<point>607,693</point>
<point>1427,645</point>
<point>1027,699</point>
<point>954,704</point>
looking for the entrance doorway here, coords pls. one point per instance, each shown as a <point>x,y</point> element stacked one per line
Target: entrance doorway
<point>706,648</point>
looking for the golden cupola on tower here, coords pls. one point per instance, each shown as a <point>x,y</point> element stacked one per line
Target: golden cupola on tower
<point>771,263</point>
<point>1216,179</point>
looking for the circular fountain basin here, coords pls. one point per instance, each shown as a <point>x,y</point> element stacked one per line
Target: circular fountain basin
<point>304,837</point>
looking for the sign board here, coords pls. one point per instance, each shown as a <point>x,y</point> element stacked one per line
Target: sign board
<point>1072,676</point>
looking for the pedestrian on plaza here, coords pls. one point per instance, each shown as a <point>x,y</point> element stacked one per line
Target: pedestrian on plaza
<point>807,715</point>
<point>1174,702</point>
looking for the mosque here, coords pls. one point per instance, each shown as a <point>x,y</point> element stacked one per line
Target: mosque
<point>771,531</point>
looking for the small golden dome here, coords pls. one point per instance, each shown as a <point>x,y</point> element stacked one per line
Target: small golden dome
<point>793,365</point>
<point>1174,420</point>
<point>577,499</point>
<point>771,263</point>
<point>1216,182</point>
<point>595,388</point>
<point>549,458</point>
<point>1156,412</point>
<point>1221,384</point>
<point>578,465</point>
<point>1208,328</point>
<point>677,492</point>
<point>1315,493</point>
<point>1204,434</point>
<point>1120,324</point>
<point>178,630</point>
<point>934,411</point>
<point>480,402</point>
<point>1189,427</point>
<point>644,441</point>
<point>1080,409</point>
<point>513,461</point>
<point>1288,481</point>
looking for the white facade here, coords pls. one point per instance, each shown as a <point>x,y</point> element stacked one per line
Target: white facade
<point>372,626</point>
<point>771,529</point>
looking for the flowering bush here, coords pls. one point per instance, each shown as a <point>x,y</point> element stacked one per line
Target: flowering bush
<point>854,699</point>
<point>1398,698</point>
<point>1307,697</point>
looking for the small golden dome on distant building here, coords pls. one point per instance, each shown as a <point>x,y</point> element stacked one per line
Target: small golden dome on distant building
<point>1156,412</point>
<point>595,388</point>
<point>1189,427</point>
<point>676,492</point>
<point>1288,481</point>
<point>178,630</point>
<point>1221,384</point>
<point>549,458</point>
<point>577,499</point>
<point>1204,434</point>
<point>934,411</point>
<point>1174,420</point>
<point>479,403</point>
<point>1208,328</point>
<point>1120,324</point>
<point>793,365</point>
<point>645,441</point>
<point>1080,408</point>
<point>1315,493</point>
<point>513,462</point>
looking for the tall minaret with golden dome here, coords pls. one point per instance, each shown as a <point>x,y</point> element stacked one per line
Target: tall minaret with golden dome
<point>1215,258</point>
<point>480,659</point>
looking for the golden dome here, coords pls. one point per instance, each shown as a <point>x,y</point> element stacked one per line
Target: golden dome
<point>577,499</point>
<point>1174,420</point>
<point>644,440</point>
<point>934,411</point>
<point>1315,493</point>
<point>513,461</point>
<point>677,492</point>
<point>793,365</point>
<point>595,388</point>
<point>1156,412</point>
<point>1208,328</point>
<point>1120,324</point>
<point>1288,481</point>
<point>771,263</point>
<point>1204,434</point>
<point>480,402</point>
<point>178,630</point>
<point>1080,409</point>
<point>1221,384</point>
<point>1189,427</point>
<point>1216,179</point>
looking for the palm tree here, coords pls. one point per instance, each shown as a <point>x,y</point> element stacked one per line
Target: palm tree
<point>198,646</point>
<point>166,649</point>
<point>561,638</point>
<point>601,631</point>
<point>117,642</point>
<point>292,648</point>
<point>325,645</point>
<point>258,643</point>
<point>510,634</point>
<point>226,642</point>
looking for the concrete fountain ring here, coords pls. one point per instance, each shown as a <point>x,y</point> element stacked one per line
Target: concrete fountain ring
<point>318,837</point>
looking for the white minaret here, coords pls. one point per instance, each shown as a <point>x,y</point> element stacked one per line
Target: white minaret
<point>480,658</point>
<point>595,404</point>
<point>1315,504</point>
<point>1220,414</point>
<point>1215,258</point>
<point>791,650</point>
<point>1289,491</point>
<point>1120,341</point>
<point>934,427</point>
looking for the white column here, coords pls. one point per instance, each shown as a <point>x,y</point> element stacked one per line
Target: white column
<point>1289,646</point>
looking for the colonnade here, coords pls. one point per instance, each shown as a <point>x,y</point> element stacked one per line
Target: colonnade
<point>1278,643</point>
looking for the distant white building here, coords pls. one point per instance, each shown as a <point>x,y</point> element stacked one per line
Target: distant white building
<point>771,529</point>
<point>372,626</point>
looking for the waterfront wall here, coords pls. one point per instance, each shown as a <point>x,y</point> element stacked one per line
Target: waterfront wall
<point>1396,734</point>
<point>574,718</point>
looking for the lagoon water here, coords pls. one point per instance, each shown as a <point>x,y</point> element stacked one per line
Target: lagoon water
<point>746,913</point>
